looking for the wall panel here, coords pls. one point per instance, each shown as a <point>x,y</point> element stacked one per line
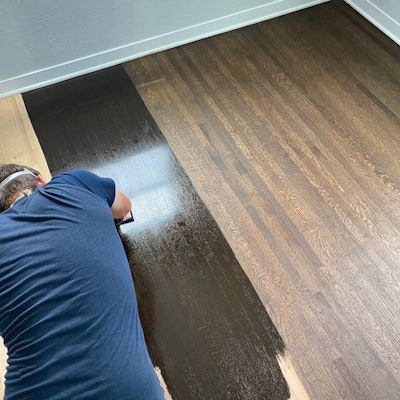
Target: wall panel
<point>46,41</point>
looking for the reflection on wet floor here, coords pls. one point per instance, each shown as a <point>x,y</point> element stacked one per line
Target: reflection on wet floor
<point>154,195</point>
<point>204,324</point>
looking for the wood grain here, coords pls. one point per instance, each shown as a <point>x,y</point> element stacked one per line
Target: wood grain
<point>290,132</point>
<point>204,325</point>
<point>19,143</point>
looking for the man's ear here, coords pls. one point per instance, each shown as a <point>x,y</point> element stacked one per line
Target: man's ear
<point>41,181</point>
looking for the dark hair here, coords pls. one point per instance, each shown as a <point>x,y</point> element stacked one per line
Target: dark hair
<point>17,185</point>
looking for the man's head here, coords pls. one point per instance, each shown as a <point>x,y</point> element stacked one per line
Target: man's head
<point>14,181</point>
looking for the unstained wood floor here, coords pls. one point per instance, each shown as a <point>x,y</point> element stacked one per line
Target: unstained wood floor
<point>290,132</point>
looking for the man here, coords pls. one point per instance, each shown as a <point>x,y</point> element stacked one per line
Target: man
<point>68,311</point>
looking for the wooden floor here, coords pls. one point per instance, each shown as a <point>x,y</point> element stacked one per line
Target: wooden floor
<point>290,132</point>
<point>202,343</point>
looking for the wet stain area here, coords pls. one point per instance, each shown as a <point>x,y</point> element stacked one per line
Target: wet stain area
<point>204,324</point>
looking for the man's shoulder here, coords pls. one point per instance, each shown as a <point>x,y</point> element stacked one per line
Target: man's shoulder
<point>79,173</point>
<point>87,180</point>
<point>79,177</point>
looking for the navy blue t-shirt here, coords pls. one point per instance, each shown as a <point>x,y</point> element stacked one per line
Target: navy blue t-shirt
<point>68,311</point>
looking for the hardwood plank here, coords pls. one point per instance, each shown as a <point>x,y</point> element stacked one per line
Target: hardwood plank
<point>19,142</point>
<point>205,326</point>
<point>290,132</point>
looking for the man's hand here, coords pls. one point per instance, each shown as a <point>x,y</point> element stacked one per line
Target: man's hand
<point>121,205</point>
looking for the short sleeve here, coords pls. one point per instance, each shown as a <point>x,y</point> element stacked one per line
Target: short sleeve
<point>102,187</point>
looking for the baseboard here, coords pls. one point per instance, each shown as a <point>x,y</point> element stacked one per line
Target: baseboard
<point>388,24</point>
<point>110,57</point>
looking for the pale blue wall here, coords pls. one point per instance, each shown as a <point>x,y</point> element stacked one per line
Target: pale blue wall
<point>45,41</point>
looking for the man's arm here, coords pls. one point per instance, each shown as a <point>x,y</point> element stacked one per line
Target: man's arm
<point>121,205</point>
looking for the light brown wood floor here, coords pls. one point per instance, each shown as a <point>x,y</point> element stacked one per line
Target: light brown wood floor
<point>290,132</point>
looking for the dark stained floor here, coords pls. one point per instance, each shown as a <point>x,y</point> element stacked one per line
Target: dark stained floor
<point>205,326</point>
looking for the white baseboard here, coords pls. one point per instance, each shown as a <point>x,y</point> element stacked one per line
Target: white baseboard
<point>109,57</point>
<point>388,24</point>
